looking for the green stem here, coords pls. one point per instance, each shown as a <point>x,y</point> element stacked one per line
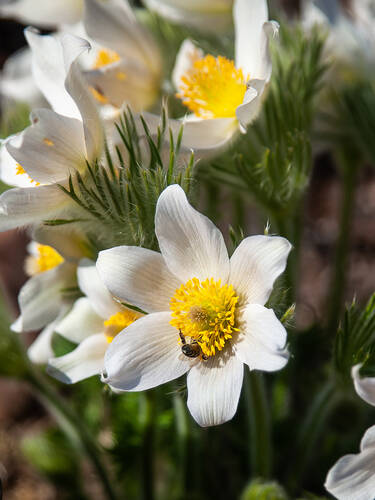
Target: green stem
<point>321,408</point>
<point>73,426</point>
<point>338,282</point>
<point>260,426</point>
<point>148,444</point>
<point>185,448</point>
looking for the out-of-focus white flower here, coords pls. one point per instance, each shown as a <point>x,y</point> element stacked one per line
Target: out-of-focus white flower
<point>208,15</point>
<point>353,476</point>
<point>225,96</point>
<point>93,323</point>
<point>44,13</point>
<point>53,147</point>
<point>44,298</point>
<point>126,63</point>
<point>206,311</point>
<point>351,35</point>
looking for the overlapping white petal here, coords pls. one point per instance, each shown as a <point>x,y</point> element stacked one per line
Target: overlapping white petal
<point>44,13</point>
<point>137,276</point>
<point>84,361</point>
<point>262,341</point>
<point>81,322</point>
<point>255,265</point>
<point>353,476</point>
<point>214,389</point>
<point>364,386</point>
<point>144,355</point>
<point>192,246</point>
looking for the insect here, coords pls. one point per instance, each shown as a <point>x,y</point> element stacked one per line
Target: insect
<point>192,349</point>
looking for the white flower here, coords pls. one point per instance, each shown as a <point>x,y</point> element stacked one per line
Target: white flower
<point>127,64</point>
<point>195,294</point>
<point>53,147</point>
<point>92,323</point>
<point>44,13</point>
<point>42,301</point>
<point>353,476</point>
<point>351,39</point>
<point>208,15</point>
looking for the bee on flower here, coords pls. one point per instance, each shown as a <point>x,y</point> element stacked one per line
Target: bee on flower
<point>194,294</point>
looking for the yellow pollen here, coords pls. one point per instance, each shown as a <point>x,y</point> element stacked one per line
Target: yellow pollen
<point>206,312</point>
<point>47,259</point>
<point>48,142</point>
<point>213,88</point>
<point>21,171</point>
<point>99,96</point>
<point>117,322</point>
<point>105,57</point>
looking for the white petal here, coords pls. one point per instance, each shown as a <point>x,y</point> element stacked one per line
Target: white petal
<point>81,322</point>
<point>8,168</point>
<point>138,277</point>
<point>41,350</point>
<point>190,243</point>
<point>353,476</point>
<point>93,287</point>
<point>261,342</point>
<point>210,16</point>
<point>114,26</point>
<point>76,86</point>
<point>24,206</point>
<point>208,137</point>
<point>83,362</point>
<point>42,13</point>
<point>17,81</point>
<point>364,386</point>
<point>255,265</point>
<point>40,298</point>
<point>249,109</point>
<point>125,82</point>
<point>252,32</point>
<point>144,355</point>
<point>214,388</point>
<point>49,71</point>
<point>187,55</point>
<point>51,149</point>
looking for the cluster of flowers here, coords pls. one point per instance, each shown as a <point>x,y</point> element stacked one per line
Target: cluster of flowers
<point>145,318</point>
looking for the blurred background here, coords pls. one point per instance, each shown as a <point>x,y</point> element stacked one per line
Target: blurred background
<point>28,475</point>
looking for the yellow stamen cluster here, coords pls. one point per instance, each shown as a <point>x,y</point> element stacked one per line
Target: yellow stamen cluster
<point>47,259</point>
<point>98,96</point>
<point>206,312</point>
<point>21,171</point>
<point>105,57</point>
<point>213,88</point>
<point>117,322</point>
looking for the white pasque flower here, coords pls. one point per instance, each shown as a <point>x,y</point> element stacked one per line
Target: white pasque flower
<point>53,147</point>
<point>93,323</point>
<point>126,62</point>
<point>17,83</point>
<point>43,299</point>
<point>208,15</point>
<point>353,476</point>
<point>225,96</point>
<point>351,38</point>
<point>194,294</point>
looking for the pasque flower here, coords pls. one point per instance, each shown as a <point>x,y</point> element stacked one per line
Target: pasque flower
<point>93,323</point>
<point>206,314</point>
<point>53,147</point>
<point>353,476</point>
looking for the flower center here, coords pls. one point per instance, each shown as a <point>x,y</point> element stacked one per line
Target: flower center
<point>21,171</point>
<point>213,88</point>
<point>47,258</point>
<point>105,57</point>
<point>205,311</point>
<point>117,322</point>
